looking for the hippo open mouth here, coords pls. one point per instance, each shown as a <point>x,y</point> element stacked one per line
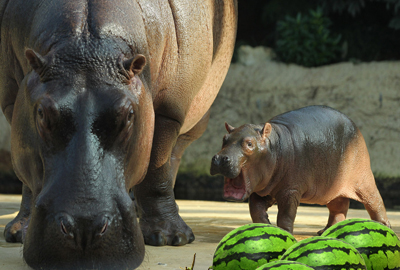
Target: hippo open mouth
<point>235,188</point>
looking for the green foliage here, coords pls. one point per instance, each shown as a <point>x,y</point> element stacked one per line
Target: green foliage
<point>370,28</point>
<point>275,10</point>
<point>306,40</point>
<point>395,6</point>
<point>395,22</point>
<point>354,7</point>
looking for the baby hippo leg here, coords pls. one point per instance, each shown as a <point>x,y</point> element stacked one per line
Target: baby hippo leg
<point>258,208</point>
<point>337,211</point>
<point>287,209</point>
<point>372,200</point>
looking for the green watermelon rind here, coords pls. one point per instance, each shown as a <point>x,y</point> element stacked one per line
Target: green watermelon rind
<point>380,246</point>
<point>325,253</point>
<point>284,265</point>
<point>249,246</point>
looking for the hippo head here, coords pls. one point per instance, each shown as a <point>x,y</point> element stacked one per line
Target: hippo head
<point>82,130</point>
<point>243,160</point>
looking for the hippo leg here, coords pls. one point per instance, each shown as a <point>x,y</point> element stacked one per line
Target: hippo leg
<point>13,230</point>
<point>159,218</point>
<point>372,200</point>
<point>287,209</point>
<point>337,212</point>
<point>258,207</point>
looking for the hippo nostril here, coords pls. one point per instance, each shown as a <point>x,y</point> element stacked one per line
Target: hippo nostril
<point>104,229</point>
<point>102,224</point>
<point>225,159</point>
<point>63,229</point>
<point>215,160</point>
<point>66,223</point>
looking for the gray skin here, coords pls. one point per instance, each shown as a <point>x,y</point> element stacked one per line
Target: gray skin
<point>313,155</point>
<point>103,96</point>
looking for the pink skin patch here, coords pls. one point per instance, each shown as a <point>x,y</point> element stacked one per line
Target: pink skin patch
<point>235,188</point>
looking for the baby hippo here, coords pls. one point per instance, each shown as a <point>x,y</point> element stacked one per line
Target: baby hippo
<point>313,155</point>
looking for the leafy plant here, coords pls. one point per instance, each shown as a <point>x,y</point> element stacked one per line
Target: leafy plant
<point>306,40</point>
<point>395,21</point>
<point>354,7</point>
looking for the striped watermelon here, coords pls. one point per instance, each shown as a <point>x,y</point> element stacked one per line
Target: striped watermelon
<point>325,253</point>
<point>378,244</point>
<point>250,246</point>
<point>284,265</point>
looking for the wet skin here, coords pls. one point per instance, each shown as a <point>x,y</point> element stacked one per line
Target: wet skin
<point>311,155</point>
<point>102,97</point>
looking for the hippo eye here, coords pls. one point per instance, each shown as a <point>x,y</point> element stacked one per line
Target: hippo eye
<point>248,144</point>
<point>130,115</point>
<point>40,112</point>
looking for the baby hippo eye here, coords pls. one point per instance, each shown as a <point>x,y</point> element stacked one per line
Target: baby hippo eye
<point>249,144</point>
<point>130,115</point>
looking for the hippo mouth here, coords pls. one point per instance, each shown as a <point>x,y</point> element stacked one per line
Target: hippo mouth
<point>235,189</point>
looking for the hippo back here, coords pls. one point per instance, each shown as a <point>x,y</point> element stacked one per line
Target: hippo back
<point>182,41</point>
<point>318,126</point>
<point>315,139</point>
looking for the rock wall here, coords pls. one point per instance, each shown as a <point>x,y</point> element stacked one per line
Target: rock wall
<point>258,88</point>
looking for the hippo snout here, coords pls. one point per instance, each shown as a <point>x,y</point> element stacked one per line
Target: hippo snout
<point>225,165</point>
<point>218,161</point>
<point>98,235</point>
<point>82,230</point>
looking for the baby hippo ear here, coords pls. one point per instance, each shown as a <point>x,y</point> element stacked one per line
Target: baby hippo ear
<point>135,65</point>
<point>229,128</point>
<point>266,131</point>
<point>36,61</point>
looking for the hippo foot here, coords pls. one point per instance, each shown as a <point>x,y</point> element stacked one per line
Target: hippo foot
<point>166,232</point>
<point>13,230</point>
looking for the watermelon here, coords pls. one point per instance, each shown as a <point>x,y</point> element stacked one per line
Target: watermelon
<point>251,246</point>
<point>378,244</point>
<point>325,253</point>
<point>284,265</point>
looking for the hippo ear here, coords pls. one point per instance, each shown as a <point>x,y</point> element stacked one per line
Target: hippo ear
<point>135,65</point>
<point>36,61</point>
<point>229,128</point>
<point>266,131</point>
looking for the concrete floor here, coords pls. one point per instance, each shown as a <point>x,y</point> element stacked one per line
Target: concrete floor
<point>210,221</point>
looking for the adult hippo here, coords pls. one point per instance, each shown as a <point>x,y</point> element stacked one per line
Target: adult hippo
<point>101,95</point>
